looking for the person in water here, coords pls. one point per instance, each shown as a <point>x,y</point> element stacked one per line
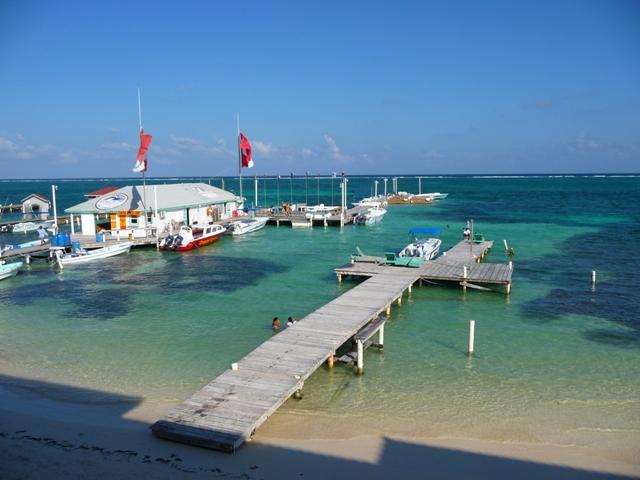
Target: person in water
<point>275,324</point>
<point>290,321</point>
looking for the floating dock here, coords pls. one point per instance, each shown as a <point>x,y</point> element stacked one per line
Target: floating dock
<point>228,410</point>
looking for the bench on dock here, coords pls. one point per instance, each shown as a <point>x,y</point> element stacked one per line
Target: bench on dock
<point>363,341</point>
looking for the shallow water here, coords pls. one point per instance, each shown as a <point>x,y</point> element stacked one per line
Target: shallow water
<point>557,361</point>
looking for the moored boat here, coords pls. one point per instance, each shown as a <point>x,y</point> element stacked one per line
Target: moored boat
<point>189,238</point>
<point>246,225</point>
<point>10,269</point>
<point>79,255</point>
<point>370,216</point>
<point>424,248</point>
<point>25,227</point>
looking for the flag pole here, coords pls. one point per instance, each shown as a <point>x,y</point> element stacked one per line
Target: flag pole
<point>239,160</point>
<point>144,177</point>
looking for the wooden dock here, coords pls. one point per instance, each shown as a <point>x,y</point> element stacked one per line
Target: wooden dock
<point>229,409</point>
<point>299,218</point>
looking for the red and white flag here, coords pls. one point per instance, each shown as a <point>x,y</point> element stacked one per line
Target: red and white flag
<point>141,159</point>
<point>245,152</point>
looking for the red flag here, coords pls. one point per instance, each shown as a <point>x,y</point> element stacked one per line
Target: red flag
<point>141,160</point>
<point>245,152</point>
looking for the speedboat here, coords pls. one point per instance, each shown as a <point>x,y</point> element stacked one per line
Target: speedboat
<point>80,255</point>
<point>379,201</point>
<point>25,227</point>
<point>370,216</point>
<point>320,212</point>
<point>190,237</point>
<point>425,248</point>
<point>246,225</point>
<point>10,269</point>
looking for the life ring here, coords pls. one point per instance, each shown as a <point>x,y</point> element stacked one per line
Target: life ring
<point>210,211</point>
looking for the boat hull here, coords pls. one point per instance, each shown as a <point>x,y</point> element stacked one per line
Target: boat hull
<point>99,254</point>
<point>199,242</point>
<point>10,270</point>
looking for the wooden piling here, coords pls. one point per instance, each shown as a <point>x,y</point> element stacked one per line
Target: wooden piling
<point>593,277</point>
<point>381,337</point>
<point>472,334</point>
<point>360,366</point>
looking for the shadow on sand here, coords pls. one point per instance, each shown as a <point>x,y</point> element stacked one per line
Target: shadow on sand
<point>55,431</point>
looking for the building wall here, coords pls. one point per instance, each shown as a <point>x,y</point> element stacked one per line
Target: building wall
<point>35,208</point>
<point>88,222</point>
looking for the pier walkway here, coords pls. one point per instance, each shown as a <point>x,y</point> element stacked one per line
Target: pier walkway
<point>228,410</point>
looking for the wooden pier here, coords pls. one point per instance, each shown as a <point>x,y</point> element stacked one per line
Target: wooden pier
<point>299,218</point>
<point>228,410</point>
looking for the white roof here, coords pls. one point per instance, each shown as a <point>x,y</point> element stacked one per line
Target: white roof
<point>173,196</point>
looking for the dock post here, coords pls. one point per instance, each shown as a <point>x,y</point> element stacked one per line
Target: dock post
<point>298,393</point>
<point>420,282</point>
<point>387,310</point>
<point>510,265</point>
<point>409,289</point>
<point>27,259</point>
<point>465,273</point>
<point>593,277</point>
<point>339,278</point>
<point>360,367</point>
<point>509,288</point>
<point>381,338</point>
<point>472,334</point>
<point>400,300</point>
<point>330,360</point>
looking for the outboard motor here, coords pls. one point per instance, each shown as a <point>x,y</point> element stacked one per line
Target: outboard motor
<point>177,241</point>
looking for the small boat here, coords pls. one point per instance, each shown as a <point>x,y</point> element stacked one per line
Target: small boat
<point>10,269</point>
<point>369,216</point>
<point>320,212</point>
<point>424,248</point>
<point>379,201</point>
<point>25,227</point>
<point>437,195</point>
<point>189,238</point>
<point>80,255</point>
<point>246,225</point>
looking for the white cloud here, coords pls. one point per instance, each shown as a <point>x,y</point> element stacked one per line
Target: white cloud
<point>118,146</point>
<point>193,145</point>
<point>334,149</point>
<point>307,152</point>
<point>263,149</point>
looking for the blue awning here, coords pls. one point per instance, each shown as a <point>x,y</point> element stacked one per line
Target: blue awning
<point>424,231</point>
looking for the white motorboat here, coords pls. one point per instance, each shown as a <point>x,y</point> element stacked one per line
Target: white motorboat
<point>246,225</point>
<point>379,201</point>
<point>320,212</point>
<point>25,227</point>
<point>84,256</point>
<point>437,195</point>
<point>425,248</point>
<point>10,269</point>
<point>370,216</point>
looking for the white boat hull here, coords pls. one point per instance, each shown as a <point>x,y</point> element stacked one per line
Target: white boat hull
<point>10,270</point>
<point>370,217</point>
<point>93,255</point>
<point>241,227</point>
<point>422,248</point>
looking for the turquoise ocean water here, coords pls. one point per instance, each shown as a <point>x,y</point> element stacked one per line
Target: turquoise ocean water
<point>558,361</point>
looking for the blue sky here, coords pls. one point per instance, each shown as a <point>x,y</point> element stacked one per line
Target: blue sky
<point>362,87</point>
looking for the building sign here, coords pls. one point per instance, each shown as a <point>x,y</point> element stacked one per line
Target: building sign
<point>111,201</point>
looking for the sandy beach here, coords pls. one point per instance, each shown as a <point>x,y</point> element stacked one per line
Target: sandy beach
<point>75,433</point>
